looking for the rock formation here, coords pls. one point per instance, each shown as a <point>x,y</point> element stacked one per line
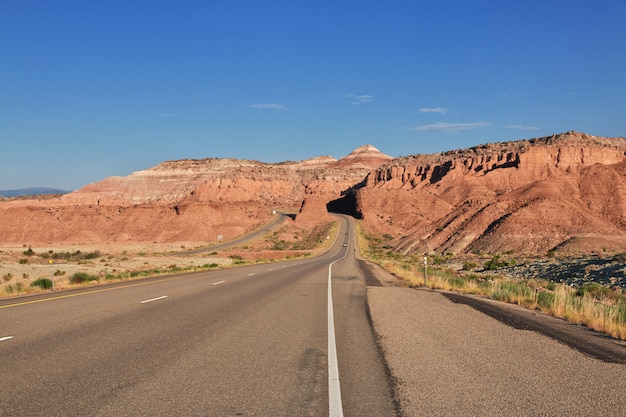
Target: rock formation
<point>564,192</point>
<point>186,201</point>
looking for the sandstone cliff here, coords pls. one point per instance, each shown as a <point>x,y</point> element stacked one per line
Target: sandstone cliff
<point>186,201</point>
<point>563,192</point>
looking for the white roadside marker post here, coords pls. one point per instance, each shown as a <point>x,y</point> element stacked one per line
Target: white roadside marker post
<point>425,275</point>
<point>51,275</point>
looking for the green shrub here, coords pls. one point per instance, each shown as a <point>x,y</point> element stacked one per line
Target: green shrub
<point>93,255</point>
<point>44,283</point>
<point>496,263</point>
<point>456,282</point>
<point>28,252</point>
<point>80,277</point>
<point>468,266</point>
<point>545,299</point>
<point>23,261</point>
<point>593,289</point>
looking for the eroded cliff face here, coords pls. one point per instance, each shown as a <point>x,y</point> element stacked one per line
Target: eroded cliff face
<point>564,192</point>
<point>186,201</point>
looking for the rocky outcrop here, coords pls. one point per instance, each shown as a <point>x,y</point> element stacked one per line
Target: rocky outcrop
<point>186,201</point>
<point>563,192</point>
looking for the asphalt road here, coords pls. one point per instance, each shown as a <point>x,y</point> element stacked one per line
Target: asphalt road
<point>250,341</point>
<point>256,341</point>
<point>450,359</point>
<point>277,219</point>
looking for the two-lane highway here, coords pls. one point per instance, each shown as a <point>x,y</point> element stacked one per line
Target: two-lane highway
<point>250,341</point>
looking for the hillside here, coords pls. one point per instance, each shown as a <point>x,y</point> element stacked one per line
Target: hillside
<point>565,193</point>
<point>186,201</point>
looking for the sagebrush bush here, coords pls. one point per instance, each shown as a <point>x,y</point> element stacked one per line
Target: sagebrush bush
<point>44,283</point>
<point>80,277</point>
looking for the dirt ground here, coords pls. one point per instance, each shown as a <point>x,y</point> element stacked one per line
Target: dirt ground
<point>21,265</point>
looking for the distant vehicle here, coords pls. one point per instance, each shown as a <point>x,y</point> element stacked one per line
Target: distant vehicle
<point>345,245</point>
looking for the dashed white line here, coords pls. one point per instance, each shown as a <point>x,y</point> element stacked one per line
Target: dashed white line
<point>251,274</point>
<point>2,339</point>
<point>219,282</point>
<point>153,299</point>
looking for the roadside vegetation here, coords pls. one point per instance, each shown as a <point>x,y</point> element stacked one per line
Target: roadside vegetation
<point>75,268</point>
<point>598,307</point>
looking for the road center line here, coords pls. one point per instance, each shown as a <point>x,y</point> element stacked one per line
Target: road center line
<point>251,274</point>
<point>153,299</point>
<point>219,282</point>
<point>2,339</point>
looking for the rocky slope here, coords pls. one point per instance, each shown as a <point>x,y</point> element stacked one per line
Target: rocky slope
<point>565,192</point>
<point>186,201</point>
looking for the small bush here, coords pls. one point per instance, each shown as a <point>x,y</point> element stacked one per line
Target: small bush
<point>496,263</point>
<point>44,283</point>
<point>28,252</point>
<point>457,282</point>
<point>93,255</point>
<point>545,299</point>
<point>81,277</point>
<point>593,289</point>
<point>468,266</point>
<point>23,261</point>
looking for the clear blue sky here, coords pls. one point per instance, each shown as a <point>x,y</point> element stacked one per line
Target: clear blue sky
<point>92,89</point>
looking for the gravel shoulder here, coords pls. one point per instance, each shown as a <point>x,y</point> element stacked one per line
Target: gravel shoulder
<point>449,358</point>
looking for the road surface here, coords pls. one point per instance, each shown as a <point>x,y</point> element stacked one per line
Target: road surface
<point>250,341</point>
<point>256,341</point>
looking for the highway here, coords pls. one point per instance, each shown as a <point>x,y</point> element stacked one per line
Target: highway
<point>249,341</point>
<point>258,341</point>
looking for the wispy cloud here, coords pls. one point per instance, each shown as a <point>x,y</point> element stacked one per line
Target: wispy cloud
<point>165,115</point>
<point>521,127</point>
<point>449,127</point>
<point>358,98</point>
<point>266,106</point>
<point>439,110</point>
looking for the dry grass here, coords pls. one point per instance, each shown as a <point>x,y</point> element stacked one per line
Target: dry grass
<point>594,306</point>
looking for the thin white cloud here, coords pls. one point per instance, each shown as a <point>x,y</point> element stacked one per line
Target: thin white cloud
<point>439,110</point>
<point>266,106</point>
<point>521,127</point>
<point>358,98</point>
<point>449,127</point>
<point>165,115</point>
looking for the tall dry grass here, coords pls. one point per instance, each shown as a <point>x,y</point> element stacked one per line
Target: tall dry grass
<point>594,306</point>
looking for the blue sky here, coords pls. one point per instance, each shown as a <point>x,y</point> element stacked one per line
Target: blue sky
<point>92,89</point>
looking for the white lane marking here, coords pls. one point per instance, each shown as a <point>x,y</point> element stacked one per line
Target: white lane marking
<point>335,408</point>
<point>2,339</point>
<point>219,282</point>
<point>251,274</point>
<point>271,269</point>
<point>153,299</point>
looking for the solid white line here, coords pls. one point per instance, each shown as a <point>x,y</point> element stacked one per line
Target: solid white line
<point>2,339</point>
<point>219,282</point>
<point>153,299</point>
<point>335,408</point>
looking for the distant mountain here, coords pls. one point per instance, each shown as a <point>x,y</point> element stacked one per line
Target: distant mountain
<point>31,191</point>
